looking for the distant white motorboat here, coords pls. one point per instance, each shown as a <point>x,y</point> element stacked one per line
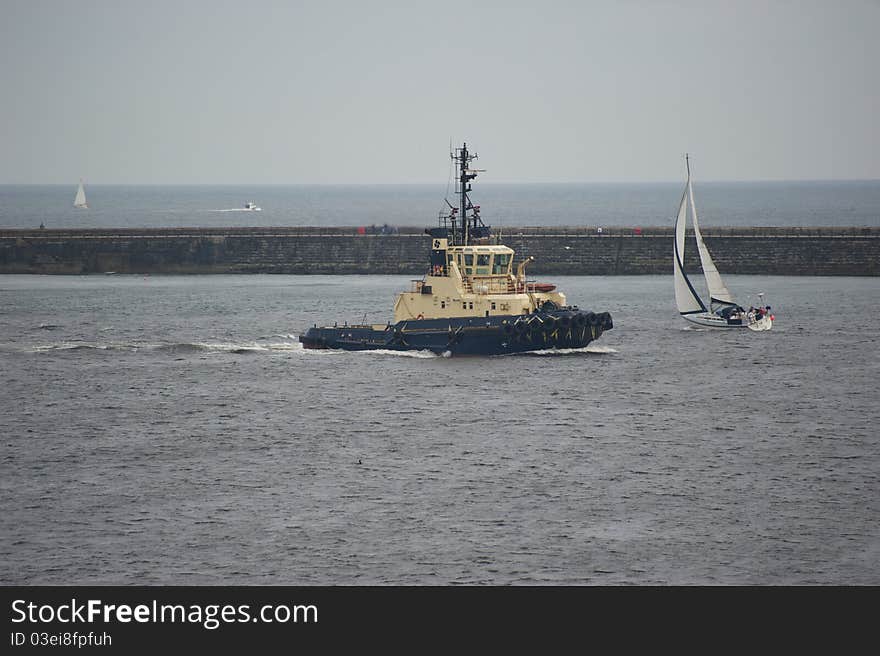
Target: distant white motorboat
<point>80,200</point>
<point>252,207</point>
<point>723,311</point>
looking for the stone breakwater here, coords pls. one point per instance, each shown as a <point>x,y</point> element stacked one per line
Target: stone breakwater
<point>302,250</point>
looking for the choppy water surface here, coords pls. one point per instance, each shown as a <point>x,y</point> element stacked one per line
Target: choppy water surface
<point>171,430</point>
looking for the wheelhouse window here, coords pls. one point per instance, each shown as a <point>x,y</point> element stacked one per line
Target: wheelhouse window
<point>501,263</point>
<point>468,264</point>
<point>483,264</point>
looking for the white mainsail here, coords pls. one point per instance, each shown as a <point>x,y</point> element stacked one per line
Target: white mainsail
<point>718,292</point>
<point>686,299</point>
<point>80,200</point>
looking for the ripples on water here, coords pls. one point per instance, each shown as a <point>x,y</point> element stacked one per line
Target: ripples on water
<point>171,430</point>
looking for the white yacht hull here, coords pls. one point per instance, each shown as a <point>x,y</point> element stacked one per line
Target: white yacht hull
<point>714,321</point>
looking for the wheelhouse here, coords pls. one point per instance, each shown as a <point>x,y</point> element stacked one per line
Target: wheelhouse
<point>485,261</point>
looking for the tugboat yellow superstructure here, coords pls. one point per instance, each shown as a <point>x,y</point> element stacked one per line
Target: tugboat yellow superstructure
<point>471,300</point>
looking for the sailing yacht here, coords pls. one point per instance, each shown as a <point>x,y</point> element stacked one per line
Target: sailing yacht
<point>722,311</point>
<point>80,200</point>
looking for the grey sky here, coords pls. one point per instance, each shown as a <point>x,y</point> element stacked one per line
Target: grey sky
<point>366,92</point>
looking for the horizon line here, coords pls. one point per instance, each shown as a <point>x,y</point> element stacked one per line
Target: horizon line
<point>412,184</point>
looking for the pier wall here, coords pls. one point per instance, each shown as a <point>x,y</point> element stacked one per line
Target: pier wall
<point>560,250</point>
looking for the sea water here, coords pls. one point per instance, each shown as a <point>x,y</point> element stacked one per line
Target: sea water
<point>728,204</point>
<point>171,430</point>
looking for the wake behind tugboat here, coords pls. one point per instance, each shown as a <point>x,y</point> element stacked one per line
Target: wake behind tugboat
<point>470,301</point>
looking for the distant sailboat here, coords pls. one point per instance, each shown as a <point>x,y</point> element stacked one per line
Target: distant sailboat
<point>723,311</point>
<point>80,200</point>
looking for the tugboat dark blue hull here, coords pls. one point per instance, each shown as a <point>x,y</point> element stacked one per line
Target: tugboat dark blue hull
<point>494,335</point>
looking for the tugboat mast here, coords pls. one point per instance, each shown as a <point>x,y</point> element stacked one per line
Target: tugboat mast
<point>464,158</point>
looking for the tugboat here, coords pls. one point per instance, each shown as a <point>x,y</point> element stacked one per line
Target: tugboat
<point>470,301</point>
